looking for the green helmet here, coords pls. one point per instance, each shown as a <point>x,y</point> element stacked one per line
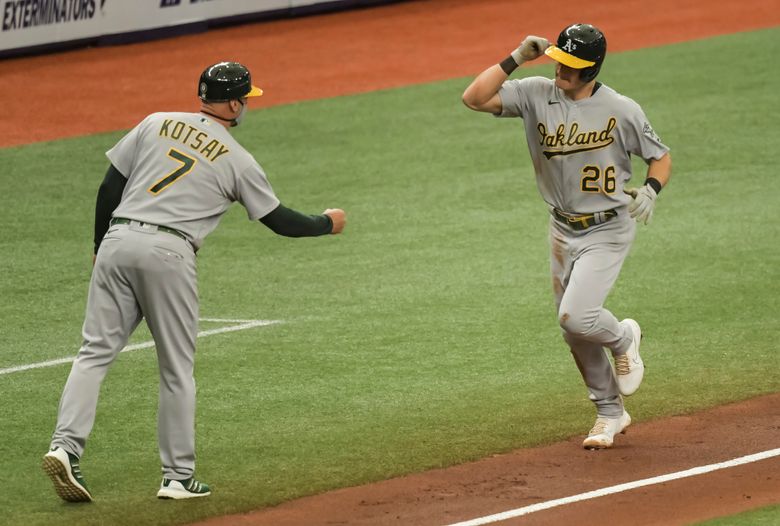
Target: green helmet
<point>226,81</point>
<point>580,46</point>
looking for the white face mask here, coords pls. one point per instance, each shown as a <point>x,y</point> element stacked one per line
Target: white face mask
<point>241,114</point>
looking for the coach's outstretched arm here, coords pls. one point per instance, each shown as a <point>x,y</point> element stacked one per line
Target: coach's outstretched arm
<point>482,94</point>
<point>291,223</point>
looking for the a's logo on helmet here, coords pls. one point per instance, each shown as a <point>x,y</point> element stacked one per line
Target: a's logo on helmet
<point>569,46</point>
<point>202,88</point>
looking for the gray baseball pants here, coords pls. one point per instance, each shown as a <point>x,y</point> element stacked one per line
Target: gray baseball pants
<point>139,273</point>
<point>584,266</point>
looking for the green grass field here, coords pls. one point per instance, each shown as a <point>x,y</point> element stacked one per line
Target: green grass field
<point>761,517</point>
<point>423,337</point>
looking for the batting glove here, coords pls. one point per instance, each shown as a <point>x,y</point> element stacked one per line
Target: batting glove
<point>532,47</point>
<point>641,207</point>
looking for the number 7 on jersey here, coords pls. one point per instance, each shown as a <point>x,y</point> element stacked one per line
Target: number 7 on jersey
<point>187,164</point>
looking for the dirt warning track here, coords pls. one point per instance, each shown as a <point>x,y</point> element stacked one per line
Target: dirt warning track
<point>105,89</point>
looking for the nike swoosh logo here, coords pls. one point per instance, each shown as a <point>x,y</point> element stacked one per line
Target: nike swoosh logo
<point>551,102</point>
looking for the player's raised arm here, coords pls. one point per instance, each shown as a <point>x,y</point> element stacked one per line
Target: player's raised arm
<point>482,93</point>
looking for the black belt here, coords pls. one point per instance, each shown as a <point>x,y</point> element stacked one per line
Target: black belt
<point>584,221</point>
<point>160,228</point>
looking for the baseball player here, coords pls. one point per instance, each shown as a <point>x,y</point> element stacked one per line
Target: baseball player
<point>581,135</point>
<point>170,180</point>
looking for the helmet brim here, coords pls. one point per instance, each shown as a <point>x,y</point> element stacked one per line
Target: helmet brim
<point>559,55</point>
<point>254,92</point>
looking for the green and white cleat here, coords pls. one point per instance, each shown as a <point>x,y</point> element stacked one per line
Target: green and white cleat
<point>63,470</point>
<point>182,489</point>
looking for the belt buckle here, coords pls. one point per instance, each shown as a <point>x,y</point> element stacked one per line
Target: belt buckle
<point>582,222</point>
<point>585,221</point>
<point>576,222</point>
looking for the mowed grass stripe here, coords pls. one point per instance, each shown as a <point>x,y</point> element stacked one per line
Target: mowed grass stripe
<point>426,335</point>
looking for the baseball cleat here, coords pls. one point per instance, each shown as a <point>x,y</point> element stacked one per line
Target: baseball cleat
<point>63,470</point>
<point>604,430</point>
<point>182,489</point>
<point>629,367</point>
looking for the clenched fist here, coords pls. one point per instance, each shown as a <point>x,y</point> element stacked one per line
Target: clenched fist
<point>532,47</point>
<point>338,217</point>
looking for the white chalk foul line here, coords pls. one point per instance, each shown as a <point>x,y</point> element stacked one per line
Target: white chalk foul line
<point>511,514</point>
<point>242,325</point>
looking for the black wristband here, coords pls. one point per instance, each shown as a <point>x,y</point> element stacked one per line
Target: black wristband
<point>508,65</point>
<point>654,183</point>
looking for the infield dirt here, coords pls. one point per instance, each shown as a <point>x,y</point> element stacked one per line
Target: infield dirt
<point>106,89</point>
<point>531,476</point>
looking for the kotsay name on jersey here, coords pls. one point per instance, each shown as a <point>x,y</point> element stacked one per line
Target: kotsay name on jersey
<point>586,140</point>
<point>194,138</point>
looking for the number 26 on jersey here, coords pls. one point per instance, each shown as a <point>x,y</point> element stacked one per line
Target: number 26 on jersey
<point>595,180</point>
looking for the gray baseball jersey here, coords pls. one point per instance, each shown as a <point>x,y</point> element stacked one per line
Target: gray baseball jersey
<point>183,171</point>
<point>580,149</point>
<point>186,170</point>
